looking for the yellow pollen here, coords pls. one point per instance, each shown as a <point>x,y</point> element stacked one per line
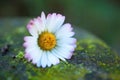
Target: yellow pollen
<point>47,41</point>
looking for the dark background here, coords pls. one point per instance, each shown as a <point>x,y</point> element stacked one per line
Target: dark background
<point>101,17</point>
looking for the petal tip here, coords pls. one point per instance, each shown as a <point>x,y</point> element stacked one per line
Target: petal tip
<point>42,14</point>
<point>70,55</point>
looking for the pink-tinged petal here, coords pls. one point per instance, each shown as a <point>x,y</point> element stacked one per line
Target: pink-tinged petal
<point>25,45</point>
<point>35,53</point>
<point>39,24</point>
<point>27,56</point>
<point>27,38</point>
<point>48,16</point>
<point>74,41</point>
<point>32,29</point>
<point>30,39</point>
<point>74,45</point>
<point>30,44</point>
<point>68,26</point>
<point>70,55</point>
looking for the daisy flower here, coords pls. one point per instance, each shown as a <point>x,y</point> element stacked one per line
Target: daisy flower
<point>50,40</point>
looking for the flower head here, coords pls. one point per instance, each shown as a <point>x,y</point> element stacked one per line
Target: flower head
<point>50,40</point>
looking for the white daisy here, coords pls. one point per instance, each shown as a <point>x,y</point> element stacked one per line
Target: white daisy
<point>50,40</point>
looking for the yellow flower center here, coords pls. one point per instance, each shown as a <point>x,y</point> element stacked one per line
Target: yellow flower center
<point>47,41</point>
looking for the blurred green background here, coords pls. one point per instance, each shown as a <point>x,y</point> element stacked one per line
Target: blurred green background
<point>101,17</point>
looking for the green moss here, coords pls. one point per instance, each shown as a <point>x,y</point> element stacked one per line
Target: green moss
<point>61,71</point>
<point>20,55</point>
<point>98,56</point>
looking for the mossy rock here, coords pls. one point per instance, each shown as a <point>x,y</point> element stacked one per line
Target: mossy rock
<point>93,59</point>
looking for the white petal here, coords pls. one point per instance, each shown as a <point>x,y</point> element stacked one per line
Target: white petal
<point>43,18</point>
<point>64,34</point>
<point>67,47</point>
<point>35,53</point>
<point>54,22</point>
<point>66,41</point>
<point>38,23</point>
<point>39,61</point>
<point>65,51</point>
<point>30,41</point>
<point>53,59</point>
<point>58,22</point>
<point>44,60</point>
<point>37,57</point>
<point>55,52</point>
<point>64,31</point>
<point>67,27</point>
<point>48,62</point>
<point>50,20</point>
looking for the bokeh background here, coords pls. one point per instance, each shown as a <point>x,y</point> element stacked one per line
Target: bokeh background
<point>101,17</point>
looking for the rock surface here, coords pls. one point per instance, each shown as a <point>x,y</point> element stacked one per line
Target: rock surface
<point>93,59</point>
